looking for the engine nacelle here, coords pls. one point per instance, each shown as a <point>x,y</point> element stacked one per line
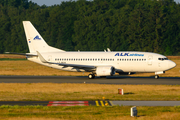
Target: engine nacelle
<point>105,71</point>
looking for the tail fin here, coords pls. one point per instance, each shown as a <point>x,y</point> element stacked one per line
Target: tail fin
<point>35,40</point>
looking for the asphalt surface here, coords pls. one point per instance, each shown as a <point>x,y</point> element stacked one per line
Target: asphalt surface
<point>147,103</point>
<point>57,103</point>
<point>97,80</point>
<point>91,103</point>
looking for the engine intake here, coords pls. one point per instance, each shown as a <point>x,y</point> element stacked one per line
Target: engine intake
<point>105,71</point>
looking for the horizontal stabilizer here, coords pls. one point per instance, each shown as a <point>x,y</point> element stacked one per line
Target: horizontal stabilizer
<point>26,54</point>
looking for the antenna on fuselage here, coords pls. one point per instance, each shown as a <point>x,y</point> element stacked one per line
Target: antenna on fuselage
<point>108,50</point>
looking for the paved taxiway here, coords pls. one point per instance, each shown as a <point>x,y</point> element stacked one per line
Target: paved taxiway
<point>92,103</point>
<point>147,103</point>
<point>82,79</point>
<point>58,103</point>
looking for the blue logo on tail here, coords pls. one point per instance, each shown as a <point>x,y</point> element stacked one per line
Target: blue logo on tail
<point>37,38</point>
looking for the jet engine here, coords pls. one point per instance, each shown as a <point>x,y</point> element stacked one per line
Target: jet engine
<point>105,71</point>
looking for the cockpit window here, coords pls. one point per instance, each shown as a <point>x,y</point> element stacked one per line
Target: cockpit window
<point>162,59</point>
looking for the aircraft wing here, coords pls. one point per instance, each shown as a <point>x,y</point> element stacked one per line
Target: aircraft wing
<point>85,67</point>
<point>75,66</point>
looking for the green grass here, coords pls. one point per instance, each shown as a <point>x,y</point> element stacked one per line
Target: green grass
<point>11,59</point>
<point>68,91</point>
<point>88,113</point>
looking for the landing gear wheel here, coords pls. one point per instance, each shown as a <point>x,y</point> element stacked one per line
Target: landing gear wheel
<point>91,76</point>
<point>156,76</point>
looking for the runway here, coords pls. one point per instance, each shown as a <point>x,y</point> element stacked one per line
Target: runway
<point>83,79</point>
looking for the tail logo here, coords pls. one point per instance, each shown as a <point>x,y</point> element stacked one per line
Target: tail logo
<point>37,38</point>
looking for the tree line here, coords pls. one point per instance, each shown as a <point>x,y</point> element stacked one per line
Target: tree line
<point>121,25</point>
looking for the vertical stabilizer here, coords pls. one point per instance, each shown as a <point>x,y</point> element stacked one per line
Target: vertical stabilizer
<point>35,40</point>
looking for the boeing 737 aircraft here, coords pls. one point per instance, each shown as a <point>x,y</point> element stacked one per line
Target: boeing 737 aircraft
<point>97,63</point>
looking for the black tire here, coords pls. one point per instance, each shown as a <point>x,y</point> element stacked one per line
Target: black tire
<point>156,76</point>
<point>91,76</point>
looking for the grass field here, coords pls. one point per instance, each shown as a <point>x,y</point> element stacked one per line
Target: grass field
<point>16,67</point>
<point>67,91</point>
<point>87,113</point>
<point>53,91</point>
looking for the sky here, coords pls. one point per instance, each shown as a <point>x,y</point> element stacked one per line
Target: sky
<point>53,2</point>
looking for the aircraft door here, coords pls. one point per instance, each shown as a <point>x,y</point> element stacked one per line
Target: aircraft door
<point>149,61</point>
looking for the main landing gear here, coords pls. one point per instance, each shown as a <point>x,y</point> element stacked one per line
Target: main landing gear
<point>156,76</point>
<point>91,76</point>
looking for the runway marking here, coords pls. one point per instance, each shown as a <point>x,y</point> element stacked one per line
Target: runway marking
<point>97,103</point>
<point>102,103</point>
<point>68,103</point>
<point>112,104</point>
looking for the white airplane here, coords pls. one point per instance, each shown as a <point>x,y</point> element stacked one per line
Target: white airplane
<point>97,63</point>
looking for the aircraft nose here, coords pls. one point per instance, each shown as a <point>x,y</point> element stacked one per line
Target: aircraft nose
<point>171,64</point>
